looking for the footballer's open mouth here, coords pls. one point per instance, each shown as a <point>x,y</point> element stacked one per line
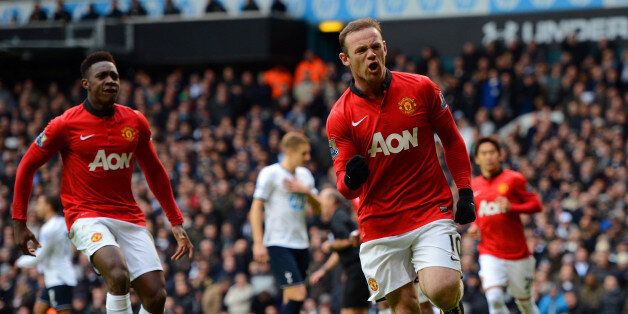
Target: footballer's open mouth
<point>373,67</point>
<point>110,90</point>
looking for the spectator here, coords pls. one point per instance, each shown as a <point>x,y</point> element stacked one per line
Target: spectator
<point>91,13</point>
<point>553,303</point>
<point>220,106</point>
<point>136,9</point>
<point>214,6</point>
<point>491,90</point>
<point>213,296</point>
<point>170,8</point>
<point>261,302</point>
<point>601,267</point>
<point>311,67</point>
<point>305,90</point>
<point>38,14</point>
<point>183,297</point>
<point>582,262</point>
<point>591,293</point>
<point>115,12</point>
<point>61,14</point>
<point>575,306</point>
<point>467,100</point>
<point>261,279</point>
<point>278,7</point>
<point>250,6</point>
<point>238,298</point>
<point>97,304</point>
<point>613,299</point>
<point>567,279</point>
<point>279,79</point>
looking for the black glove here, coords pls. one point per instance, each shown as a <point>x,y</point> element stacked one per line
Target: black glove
<point>357,171</point>
<point>465,209</point>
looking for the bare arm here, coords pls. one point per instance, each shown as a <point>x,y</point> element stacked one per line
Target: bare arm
<point>256,219</point>
<point>330,264</point>
<point>340,244</point>
<point>47,245</point>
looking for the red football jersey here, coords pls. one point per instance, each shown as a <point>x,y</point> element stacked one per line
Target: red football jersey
<point>501,231</point>
<point>407,187</point>
<point>98,154</point>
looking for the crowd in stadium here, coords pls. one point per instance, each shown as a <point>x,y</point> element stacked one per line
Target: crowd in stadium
<point>560,112</point>
<point>135,9</point>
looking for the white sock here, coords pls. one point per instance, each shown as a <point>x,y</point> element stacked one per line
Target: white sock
<point>143,310</point>
<point>118,304</point>
<point>496,304</point>
<point>527,306</point>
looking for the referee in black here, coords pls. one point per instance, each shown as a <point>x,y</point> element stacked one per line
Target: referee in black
<point>345,248</point>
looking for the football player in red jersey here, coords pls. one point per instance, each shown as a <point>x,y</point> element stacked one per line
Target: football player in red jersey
<point>98,141</point>
<point>505,261</point>
<point>381,138</point>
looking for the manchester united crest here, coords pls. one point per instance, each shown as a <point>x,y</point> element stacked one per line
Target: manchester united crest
<point>97,236</point>
<point>373,284</point>
<point>407,105</point>
<point>502,188</point>
<point>128,133</point>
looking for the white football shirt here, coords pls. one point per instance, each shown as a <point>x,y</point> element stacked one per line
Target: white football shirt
<point>284,212</point>
<point>54,257</point>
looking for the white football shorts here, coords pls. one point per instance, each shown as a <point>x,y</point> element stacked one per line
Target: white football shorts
<point>391,262</point>
<point>516,275</point>
<point>135,242</point>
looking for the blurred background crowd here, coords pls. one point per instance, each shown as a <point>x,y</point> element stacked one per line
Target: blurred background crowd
<point>60,13</point>
<point>560,112</point>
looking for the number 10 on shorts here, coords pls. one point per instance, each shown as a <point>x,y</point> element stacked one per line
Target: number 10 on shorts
<point>456,243</point>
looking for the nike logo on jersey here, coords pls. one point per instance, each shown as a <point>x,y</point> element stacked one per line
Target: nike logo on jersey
<point>86,137</point>
<point>359,121</point>
<point>454,259</point>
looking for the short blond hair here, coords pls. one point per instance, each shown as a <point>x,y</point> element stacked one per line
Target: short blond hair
<point>293,139</point>
<point>355,26</point>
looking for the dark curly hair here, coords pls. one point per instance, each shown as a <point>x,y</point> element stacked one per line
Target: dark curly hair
<point>95,57</point>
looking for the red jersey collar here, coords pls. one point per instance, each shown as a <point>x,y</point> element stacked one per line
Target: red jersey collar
<point>385,85</point>
<point>99,113</point>
<point>495,175</point>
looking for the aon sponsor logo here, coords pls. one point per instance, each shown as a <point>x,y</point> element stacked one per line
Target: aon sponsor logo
<point>394,142</point>
<point>111,161</point>
<point>489,209</point>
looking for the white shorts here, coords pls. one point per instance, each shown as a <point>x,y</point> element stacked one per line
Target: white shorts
<point>516,275</point>
<point>135,242</point>
<point>391,262</point>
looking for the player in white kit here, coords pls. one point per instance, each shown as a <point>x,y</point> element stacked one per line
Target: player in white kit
<point>280,197</point>
<point>53,259</point>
